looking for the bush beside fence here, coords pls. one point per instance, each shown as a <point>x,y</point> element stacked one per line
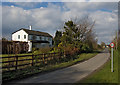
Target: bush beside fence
<point>13,47</point>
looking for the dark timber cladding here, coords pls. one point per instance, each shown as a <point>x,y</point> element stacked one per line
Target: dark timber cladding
<point>36,41</point>
<point>32,32</point>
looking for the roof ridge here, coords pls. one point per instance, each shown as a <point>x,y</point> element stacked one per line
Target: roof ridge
<point>47,34</point>
<point>34,32</point>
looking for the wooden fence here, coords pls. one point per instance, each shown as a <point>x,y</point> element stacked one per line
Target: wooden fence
<point>20,62</point>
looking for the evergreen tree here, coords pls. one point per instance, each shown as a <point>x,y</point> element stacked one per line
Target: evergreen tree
<point>57,38</point>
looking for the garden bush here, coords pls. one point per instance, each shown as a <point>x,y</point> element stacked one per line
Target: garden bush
<point>85,48</point>
<point>42,50</point>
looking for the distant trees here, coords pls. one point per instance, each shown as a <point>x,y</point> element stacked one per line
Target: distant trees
<point>102,44</point>
<point>4,39</point>
<point>116,40</point>
<point>78,35</point>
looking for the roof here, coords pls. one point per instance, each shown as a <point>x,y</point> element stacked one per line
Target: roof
<point>33,32</point>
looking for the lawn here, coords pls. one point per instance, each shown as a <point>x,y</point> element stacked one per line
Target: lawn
<point>105,75</point>
<point>5,55</point>
<point>37,69</point>
<point>13,58</point>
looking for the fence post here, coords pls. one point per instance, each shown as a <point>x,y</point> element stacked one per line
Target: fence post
<point>16,62</point>
<point>64,54</point>
<point>32,60</point>
<point>58,57</point>
<point>47,58</point>
<point>54,62</point>
<point>43,58</point>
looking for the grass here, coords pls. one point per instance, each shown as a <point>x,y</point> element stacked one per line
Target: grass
<point>5,55</point>
<point>13,58</point>
<point>119,65</point>
<point>37,69</point>
<point>105,75</point>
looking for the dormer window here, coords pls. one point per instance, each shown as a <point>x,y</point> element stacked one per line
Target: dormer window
<point>18,36</point>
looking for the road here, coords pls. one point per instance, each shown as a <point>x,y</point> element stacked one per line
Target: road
<point>70,74</point>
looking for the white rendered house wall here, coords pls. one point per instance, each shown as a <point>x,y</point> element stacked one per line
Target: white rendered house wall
<point>20,36</point>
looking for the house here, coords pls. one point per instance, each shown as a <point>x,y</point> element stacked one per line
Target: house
<point>35,39</point>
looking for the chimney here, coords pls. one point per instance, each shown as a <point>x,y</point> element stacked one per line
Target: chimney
<point>30,27</point>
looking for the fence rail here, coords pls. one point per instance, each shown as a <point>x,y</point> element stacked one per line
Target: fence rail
<point>10,63</point>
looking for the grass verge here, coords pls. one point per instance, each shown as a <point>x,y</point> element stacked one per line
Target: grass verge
<point>105,75</point>
<point>5,55</point>
<point>36,69</point>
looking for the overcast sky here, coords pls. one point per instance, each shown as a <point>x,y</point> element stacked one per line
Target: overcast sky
<point>49,16</point>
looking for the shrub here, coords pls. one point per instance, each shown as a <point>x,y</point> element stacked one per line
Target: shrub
<point>44,50</point>
<point>71,50</point>
<point>85,48</point>
<point>14,47</point>
<point>41,50</point>
<point>61,47</point>
<point>34,49</point>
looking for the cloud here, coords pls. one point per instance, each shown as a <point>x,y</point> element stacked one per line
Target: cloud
<point>105,15</point>
<point>26,4</point>
<point>51,18</point>
<point>60,1</point>
<point>106,24</point>
<point>0,21</point>
<point>43,19</point>
<point>92,6</point>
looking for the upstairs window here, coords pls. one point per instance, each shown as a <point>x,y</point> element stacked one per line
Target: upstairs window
<point>40,37</point>
<point>24,36</point>
<point>44,38</point>
<point>18,36</point>
<point>30,37</point>
<point>34,37</point>
<point>49,38</point>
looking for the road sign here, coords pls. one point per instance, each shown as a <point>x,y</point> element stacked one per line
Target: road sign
<point>112,45</point>
<point>111,59</point>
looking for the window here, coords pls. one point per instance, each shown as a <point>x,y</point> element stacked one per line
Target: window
<point>37,38</point>
<point>34,37</point>
<point>40,37</point>
<point>24,36</point>
<point>30,37</point>
<point>44,38</point>
<point>49,38</point>
<point>18,36</point>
